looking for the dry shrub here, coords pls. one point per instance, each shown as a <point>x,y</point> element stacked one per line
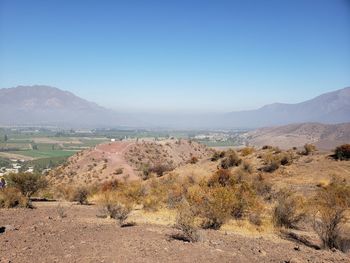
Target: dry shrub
<point>342,152</point>
<point>158,169</point>
<point>331,204</point>
<point>231,159</point>
<point>223,196</point>
<point>308,149</point>
<point>247,166</point>
<point>261,187</point>
<point>151,203</point>
<point>11,197</point>
<point>255,218</point>
<point>221,177</point>
<point>118,171</point>
<point>266,147</point>
<point>26,183</point>
<point>247,151</point>
<point>217,155</point>
<point>110,185</point>
<point>132,192</point>
<point>81,195</point>
<point>217,207</point>
<point>273,161</point>
<point>289,209</point>
<point>61,211</point>
<point>185,222</point>
<point>193,160</point>
<point>112,207</point>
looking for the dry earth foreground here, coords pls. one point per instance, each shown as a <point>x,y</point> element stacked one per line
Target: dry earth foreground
<point>178,201</point>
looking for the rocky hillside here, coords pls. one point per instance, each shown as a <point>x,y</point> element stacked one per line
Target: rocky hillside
<point>324,136</point>
<point>126,160</point>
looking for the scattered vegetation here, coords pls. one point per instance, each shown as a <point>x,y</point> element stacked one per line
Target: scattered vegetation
<point>11,197</point>
<point>112,207</point>
<point>217,155</point>
<point>289,209</point>
<point>81,195</point>
<point>27,183</point>
<point>342,152</point>
<point>231,159</point>
<point>330,204</point>
<point>272,160</point>
<point>308,149</point>
<point>185,223</point>
<point>247,151</point>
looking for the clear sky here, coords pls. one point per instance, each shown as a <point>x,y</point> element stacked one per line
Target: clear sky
<point>178,55</point>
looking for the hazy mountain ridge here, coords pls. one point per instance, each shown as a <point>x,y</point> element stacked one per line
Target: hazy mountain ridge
<point>44,105</point>
<point>332,107</point>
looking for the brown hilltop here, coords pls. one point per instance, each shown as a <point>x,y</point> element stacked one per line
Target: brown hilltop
<point>125,160</point>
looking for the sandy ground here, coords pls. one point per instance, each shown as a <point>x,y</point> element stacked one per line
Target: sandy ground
<point>39,235</point>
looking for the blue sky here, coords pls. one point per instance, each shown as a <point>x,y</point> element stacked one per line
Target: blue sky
<point>178,55</point>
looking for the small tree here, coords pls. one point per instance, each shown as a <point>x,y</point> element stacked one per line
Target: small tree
<point>26,183</point>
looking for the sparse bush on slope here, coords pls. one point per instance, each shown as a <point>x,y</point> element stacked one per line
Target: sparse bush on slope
<point>289,209</point>
<point>331,204</point>
<point>185,222</point>
<point>11,197</point>
<point>112,207</point>
<point>342,152</point>
<point>26,183</point>
<point>308,149</point>
<point>81,195</point>
<point>231,159</point>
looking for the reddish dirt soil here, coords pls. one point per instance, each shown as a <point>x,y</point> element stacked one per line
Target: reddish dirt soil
<point>103,162</point>
<point>39,235</point>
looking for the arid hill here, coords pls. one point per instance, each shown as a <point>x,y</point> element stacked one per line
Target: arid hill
<point>126,160</point>
<point>324,136</point>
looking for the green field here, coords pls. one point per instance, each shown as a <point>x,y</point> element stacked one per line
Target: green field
<point>45,154</point>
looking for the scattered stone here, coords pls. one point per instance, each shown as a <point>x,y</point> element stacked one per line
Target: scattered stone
<point>297,248</point>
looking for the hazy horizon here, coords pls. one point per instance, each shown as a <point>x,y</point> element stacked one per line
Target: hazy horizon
<point>184,56</point>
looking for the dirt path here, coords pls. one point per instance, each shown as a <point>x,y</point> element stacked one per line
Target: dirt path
<point>115,154</point>
<point>38,235</point>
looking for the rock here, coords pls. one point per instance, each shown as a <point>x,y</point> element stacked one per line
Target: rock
<point>7,228</point>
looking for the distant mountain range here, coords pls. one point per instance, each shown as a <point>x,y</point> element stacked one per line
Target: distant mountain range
<point>43,105</point>
<point>332,107</point>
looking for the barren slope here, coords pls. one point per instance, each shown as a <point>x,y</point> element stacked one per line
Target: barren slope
<point>322,135</point>
<point>124,160</point>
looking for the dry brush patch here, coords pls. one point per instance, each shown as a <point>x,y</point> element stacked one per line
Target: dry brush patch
<point>330,206</point>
